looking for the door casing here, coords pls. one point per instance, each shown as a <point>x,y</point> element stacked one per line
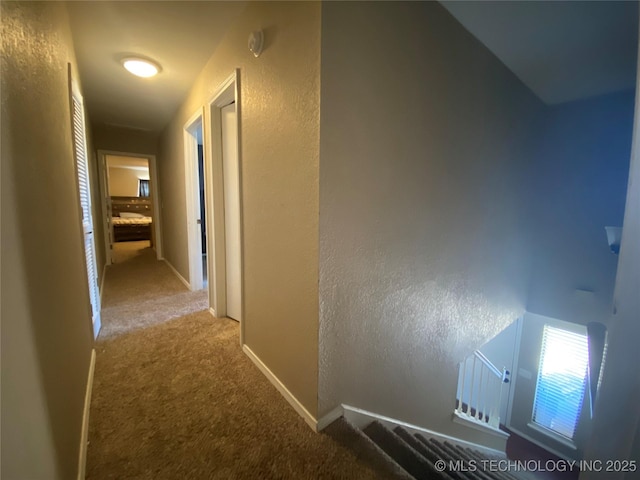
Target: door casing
<point>226,93</point>
<point>105,200</point>
<point>192,191</point>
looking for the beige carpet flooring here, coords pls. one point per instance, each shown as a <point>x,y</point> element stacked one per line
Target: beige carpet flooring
<point>174,397</point>
<point>140,292</point>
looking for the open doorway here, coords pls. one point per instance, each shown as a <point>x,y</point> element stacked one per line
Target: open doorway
<point>196,202</point>
<point>130,205</point>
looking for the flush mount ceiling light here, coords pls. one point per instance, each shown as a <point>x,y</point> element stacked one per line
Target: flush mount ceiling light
<point>141,67</point>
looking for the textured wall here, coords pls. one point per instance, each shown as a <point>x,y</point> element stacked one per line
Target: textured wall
<point>582,168</point>
<point>279,162</point>
<point>125,182</point>
<point>423,251</point>
<point>125,140</point>
<point>46,320</point>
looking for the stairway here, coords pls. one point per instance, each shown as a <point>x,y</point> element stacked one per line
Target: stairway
<point>431,459</point>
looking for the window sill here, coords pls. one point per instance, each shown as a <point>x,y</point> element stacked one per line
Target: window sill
<point>550,434</point>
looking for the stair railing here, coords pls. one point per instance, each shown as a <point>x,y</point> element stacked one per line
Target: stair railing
<point>480,390</point>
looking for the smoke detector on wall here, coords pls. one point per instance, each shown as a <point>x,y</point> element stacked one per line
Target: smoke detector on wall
<point>256,42</point>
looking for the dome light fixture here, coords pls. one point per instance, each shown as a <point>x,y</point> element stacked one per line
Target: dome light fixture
<point>141,67</point>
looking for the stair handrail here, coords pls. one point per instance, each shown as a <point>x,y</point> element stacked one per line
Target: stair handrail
<point>490,366</point>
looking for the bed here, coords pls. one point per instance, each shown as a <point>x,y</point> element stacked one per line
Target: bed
<point>131,219</point>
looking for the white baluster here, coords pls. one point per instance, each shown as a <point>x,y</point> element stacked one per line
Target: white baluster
<point>473,385</point>
<point>481,392</point>
<point>460,386</point>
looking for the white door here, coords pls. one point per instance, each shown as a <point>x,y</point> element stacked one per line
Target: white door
<point>231,209</point>
<point>84,190</point>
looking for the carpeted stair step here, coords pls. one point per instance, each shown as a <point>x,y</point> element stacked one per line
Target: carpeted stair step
<point>365,450</point>
<point>417,444</point>
<point>428,455</point>
<point>471,458</point>
<point>407,457</point>
<point>442,455</point>
<point>466,462</point>
<point>483,456</point>
<point>479,457</point>
<point>475,457</point>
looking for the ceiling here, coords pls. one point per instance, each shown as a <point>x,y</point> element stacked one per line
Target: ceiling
<point>562,50</point>
<point>180,35</point>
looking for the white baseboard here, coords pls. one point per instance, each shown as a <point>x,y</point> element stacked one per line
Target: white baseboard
<point>84,434</point>
<point>479,425</point>
<point>361,418</point>
<point>213,312</point>
<point>284,391</point>
<point>177,273</point>
<point>330,417</point>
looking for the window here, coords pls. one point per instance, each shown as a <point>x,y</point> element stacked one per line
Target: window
<point>143,188</point>
<point>561,383</point>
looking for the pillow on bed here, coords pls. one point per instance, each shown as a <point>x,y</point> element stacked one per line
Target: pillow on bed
<point>131,215</point>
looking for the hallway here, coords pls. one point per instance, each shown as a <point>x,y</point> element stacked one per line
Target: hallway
<point>175,397</point>
<point>140,291</point>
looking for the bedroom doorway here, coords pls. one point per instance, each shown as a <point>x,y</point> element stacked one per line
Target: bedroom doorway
<point>196,202</point>
<point>130,205</point>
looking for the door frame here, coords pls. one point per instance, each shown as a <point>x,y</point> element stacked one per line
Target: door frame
<point>192,197</point>
<point>105,199</point>
<point>226,93</point>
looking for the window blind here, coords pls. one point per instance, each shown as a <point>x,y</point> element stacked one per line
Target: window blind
<point>561,382</point>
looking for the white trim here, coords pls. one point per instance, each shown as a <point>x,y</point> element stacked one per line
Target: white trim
<point>155,199</point>
<point>224,94</point>
<point>84,434</point>
<point>177,273</point>
<point>192,199</point>
<point>284,391</point>
<point>360,418</point>
<point>213,312</point>
<point>329,418</point>
<point>513,378</point>
<point>103,180</point>
<point>104,274</point>
<point>471,422</point>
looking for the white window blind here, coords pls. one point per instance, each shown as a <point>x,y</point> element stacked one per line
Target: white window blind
<point>84,190</point>
<point>561,381</point>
